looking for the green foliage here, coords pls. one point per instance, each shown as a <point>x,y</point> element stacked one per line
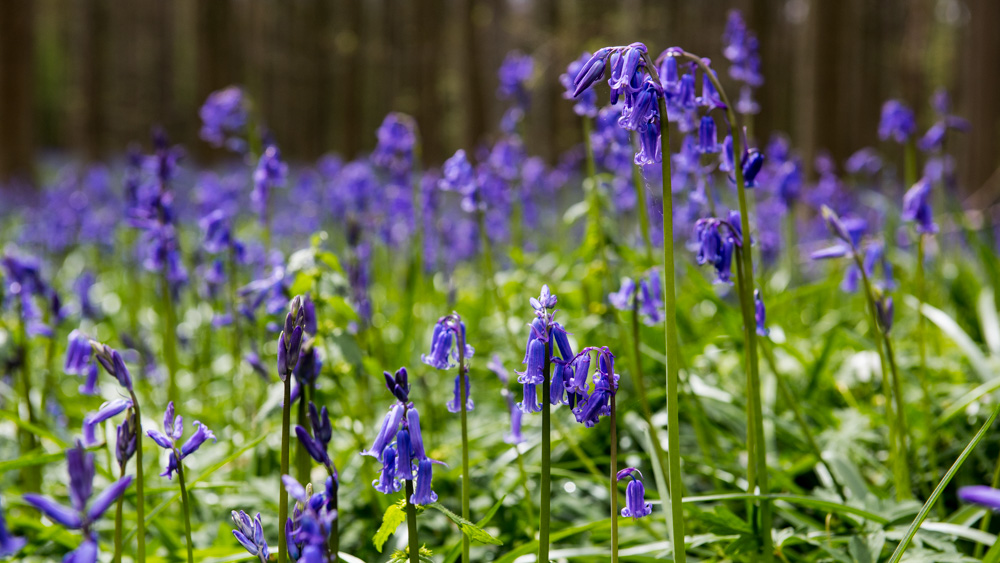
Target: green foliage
<point>393,517</point>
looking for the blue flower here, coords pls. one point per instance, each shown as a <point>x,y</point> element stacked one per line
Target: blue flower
<point>9,545</point>
<point>106,411</point>
<point>271,172</point>
<point>84,510</point>
<point>423,493</point>
<point>635,495</point>
<point>897,122</point>
<point>224,119</point>
<point>173,427</point>
<point>760,314</point>
<point>250,534</point>
<point>981,495</point>
<point>917,207</point>
<point>586,102</point>
<point>387,483</point>
<point>708,143</point>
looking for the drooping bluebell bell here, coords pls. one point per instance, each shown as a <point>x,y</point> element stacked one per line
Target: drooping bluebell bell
<point>224,118</point>
<point>423,493</point>
<point>707,141</point>
<point>312,522</point>
<point>917,207</point>
<point>387,483</point>
<point>717,240</point>
<point>113,363</point>
<point>9,544</point>
<point>173,427</point>
<point>760,314</point>
<point>78,361</point>
<point>982,495</point>
<point>107,410</point>
<point>933,139</point>
<point>513,436</point>
<point>647,297</point>
<point>741,49</point>
<point>635,495</point>
<point>271,172</point>
<point>250,534</point>
<point>864,161</point>
<point>605,380</point>
<point>586,102</point>
<point>84,511</point>
<point>897,122</point>
<point>397,138</point>
<point>317,445</point>
<point>127,439</point>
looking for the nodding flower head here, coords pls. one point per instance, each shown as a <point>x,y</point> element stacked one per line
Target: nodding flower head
<point>897,122</point>
<point>224,118</point>
<point>398,385</point>
<point>885,311</point>
<point>590,408</point>
<point>635,495</point>
<point>760,314</point>
<point>717,239</point>
<point>250,534</point>
<point>127,439</point>
<point>623,298</point>
<point>173,427</point>
<point>316,445</point>
<point>447,341</point>
<point>92,420</point>
<point>423,493</point>
<point>387,483</point>
<point>397,137</point>
<point>708,142</point>
<point>917,207</point>
<point>586,101</point>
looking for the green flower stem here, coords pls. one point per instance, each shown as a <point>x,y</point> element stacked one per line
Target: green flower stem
<point>902,430</point>
<point>140,501</point>
<point>747,286</point>
<point>675,482</point>
<point>791,250</point>
<point>283,494</point>
<point>303,463</point>
<point>546,488</point>
<point>900,470</point>
<point>642,210</point>
<point>186,507</point>
<point>237,336</point>
<point>118,525</point>
<point>594,194</point>
<point>993,554</point>
<point>333,544</point>
<point>463,371</point>
<point>613,483</point>
<point>29,476</point>
<point>411,524</point>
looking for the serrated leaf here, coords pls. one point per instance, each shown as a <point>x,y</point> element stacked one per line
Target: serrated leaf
<point>474,532</point>
<point>393,517</point>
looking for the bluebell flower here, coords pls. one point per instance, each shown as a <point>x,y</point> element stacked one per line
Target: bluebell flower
<point>597,404</point>
<point>224,117</point>
<point>742,50</point>
<point>635,495</point>
<point>250,534</point>
<point>586,102</point>
<point>318,444</point>
<point>107,410</point>
<point>623,298</point>
<point>113,363</point>
<point>271,172</point>
<point>885,311</point>
<point>651,302</point>
<point>397,138</point>
<point>84,511</point>
<point>717,239</point>
<point>514,73</point>
<point>981,495</point>
<point>311,523</point>
<point>387,483</point>
<point>557,388</point>
<point>423,493</point>
<point>9,544</point>
<point>917,207</point>
<point>707,141</point>
<point>127,440</point>
<point>454,405</point>
<point>390,423</point>
<point>897,122</point>
<point>78,361</point>
<point>290,340</point>
<point>864,161</point>
<point>760,314</point>
<point>173,427</point>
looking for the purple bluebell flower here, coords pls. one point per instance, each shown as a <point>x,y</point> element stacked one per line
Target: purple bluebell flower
<point>387,483</point>
<point>113,363</point>
<point>981,495</point>
<point>250,534</point>
<point>173,427</point>
<point>423,493</point>
<point>605,387</point>
<point>635,495</point>
<point>622,299</point>
<point>224,118</point>
<point>760,314</point>
<point>271,172</point>
<point>708,143</point>
<point>107,410</point>
<point>513,436</point>
<point>742,50</point>
<point>9,544</point>
<point>917,207</point>
<point>864,161</point>
<point>557,389</point>
<point>78,361</point>
<point>317,444</point>
<point>312,520</point>
<point>586,102</point>
<point>84,511</point>
<point>717,239</point>
<point>514,74</point>
<point>885,311</point>
<point>933,139</point>
<point>218,232</point>
<point>897,122</point>
<point>397,138</point>
<point>290,340</point>
<point>651,298</point>
<point>127,439</point>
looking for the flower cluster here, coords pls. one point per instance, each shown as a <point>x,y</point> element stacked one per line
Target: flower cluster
<point>290,340</point>
<point>309,527</point>
<point>449,349</point>
<point>318,444</point>
<point>648,299</point>
<point>224,118</point>
<point>250,534</point>
<point>741,49</point>
<point>84,511</point>
<point>173,428</point>
<point>716,241</point>
<point>400,445</point>
<point>23,282</point>
<point>397,139</point>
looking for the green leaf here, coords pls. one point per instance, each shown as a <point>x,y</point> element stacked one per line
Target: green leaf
<point>474,532</point>
<point>957,335</point>
<point>393,517</point>
<point>723,522</point>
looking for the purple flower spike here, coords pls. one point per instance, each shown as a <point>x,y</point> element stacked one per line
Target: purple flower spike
<point>897,122</point>
<point>622,299</point>
<point>454,404</point>
<point>250,534</point>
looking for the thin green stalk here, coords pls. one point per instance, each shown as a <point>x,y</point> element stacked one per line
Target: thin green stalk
<point>334,541</point>
<point>286,417</point>
<point>613,483</point>
<point>643,211</point>
<point>303,463</point>
<point>922,346</point>
<point>985,524</point>
<point>899,468</point>
<point>463,372</point>
<point>594,227</point>
<point>791,250</point>
<point>411,524</point>
<point>902,431</point>
<point>140,501</point>
<point>186,507</point>
<point>670,342</point>
<point>926,508</point>
<point>546,488</point>
<point>118,526</point>
<point>237,336</point>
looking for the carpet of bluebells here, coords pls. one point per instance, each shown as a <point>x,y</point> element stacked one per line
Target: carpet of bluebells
<point>670,344</point>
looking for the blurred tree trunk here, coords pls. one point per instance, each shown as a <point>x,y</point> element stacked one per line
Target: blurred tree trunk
<point>218,65</point>
<point>474,101</point>
<point>17,90</point>
<point>978,100</point>
<point>87,113</point>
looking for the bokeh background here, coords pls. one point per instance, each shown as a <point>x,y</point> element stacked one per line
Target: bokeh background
<point>85,78</point>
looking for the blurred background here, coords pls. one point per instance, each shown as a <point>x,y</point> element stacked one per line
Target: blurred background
<point>86,78</point>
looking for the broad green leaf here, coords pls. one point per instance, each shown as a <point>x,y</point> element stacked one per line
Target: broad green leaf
<point>989,320</point>
<point>393,517</point>
<point>957,335</point>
